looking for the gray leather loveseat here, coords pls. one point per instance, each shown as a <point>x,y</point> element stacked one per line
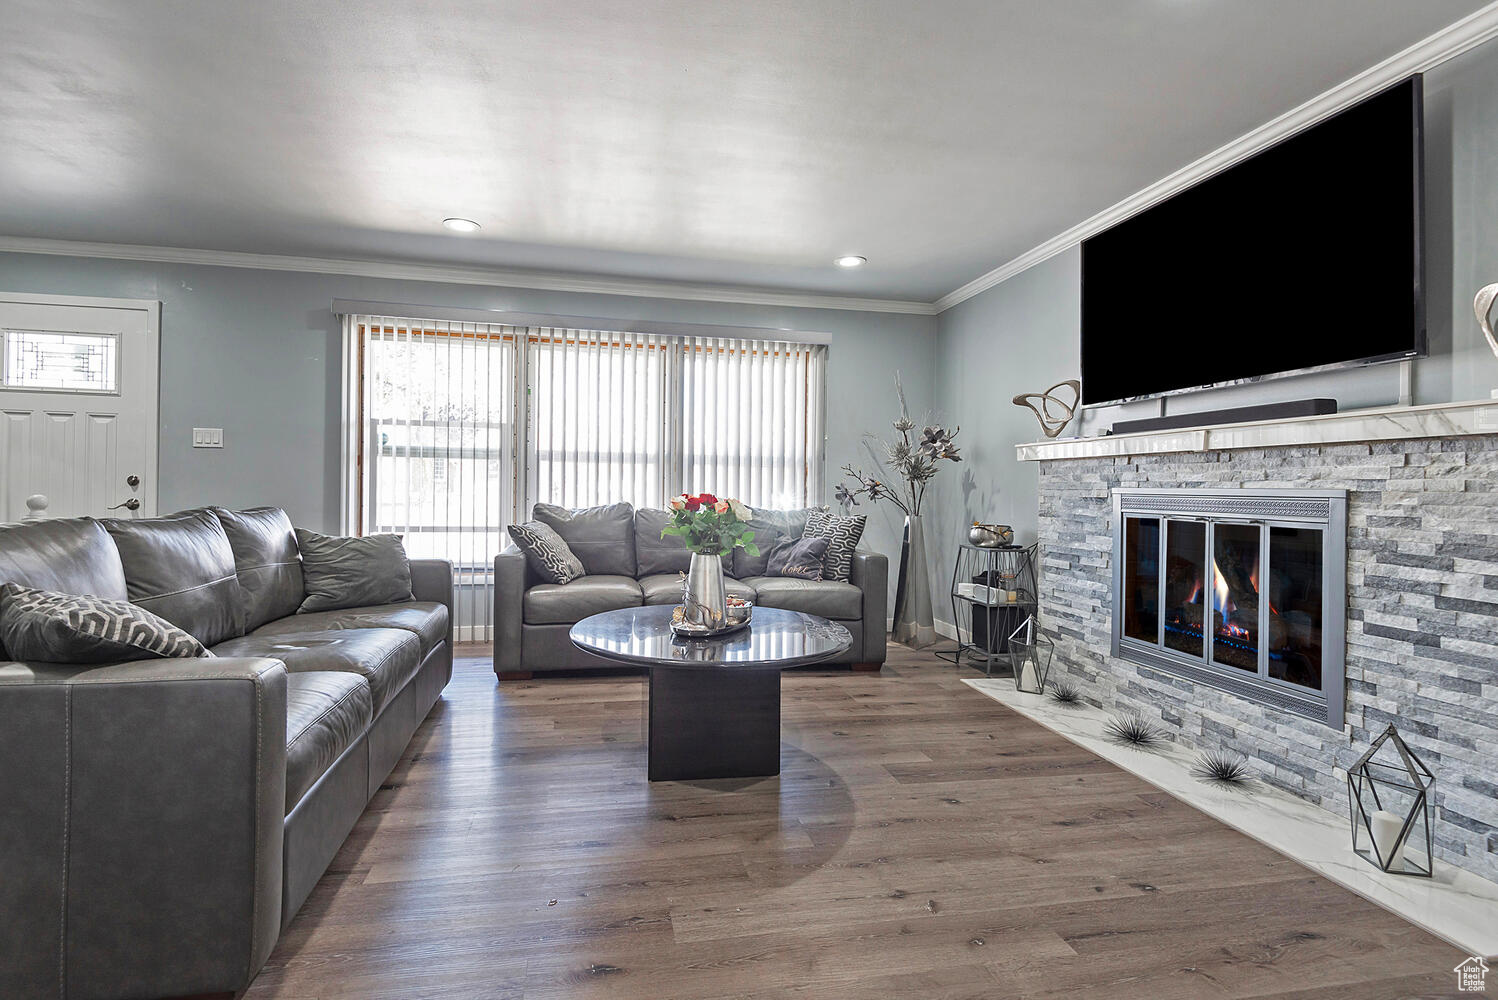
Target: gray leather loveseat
<point>162,820</point>
<point>629,564</point>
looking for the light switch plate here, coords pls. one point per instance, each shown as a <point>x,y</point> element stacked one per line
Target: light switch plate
<point>207,437</point>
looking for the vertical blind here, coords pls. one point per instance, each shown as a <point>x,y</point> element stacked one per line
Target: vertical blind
<point>455,430</point>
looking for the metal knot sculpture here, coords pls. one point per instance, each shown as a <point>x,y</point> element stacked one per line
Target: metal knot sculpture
<point>1052,412</point>
<point>1483,306</point>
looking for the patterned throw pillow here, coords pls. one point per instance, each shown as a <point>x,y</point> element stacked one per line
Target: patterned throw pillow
<point>544,549</point>
<point>798,557</point>
<point>842,534</point>
<point>69,628</point>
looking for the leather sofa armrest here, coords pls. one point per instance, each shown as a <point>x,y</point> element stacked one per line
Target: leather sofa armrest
<point>432,580</point>
<point>509,604</point>
<point>871,575</point>
<point>144,804</point>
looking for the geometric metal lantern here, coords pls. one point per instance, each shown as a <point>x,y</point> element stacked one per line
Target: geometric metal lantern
<point>1390,802</point>
<point>1030,656</point>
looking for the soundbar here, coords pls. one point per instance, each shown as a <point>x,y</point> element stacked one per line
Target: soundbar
<point>1236,415</point>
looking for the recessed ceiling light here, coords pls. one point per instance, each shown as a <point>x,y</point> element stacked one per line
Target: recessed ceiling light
<point>850,260</point>
<point>462,225</point>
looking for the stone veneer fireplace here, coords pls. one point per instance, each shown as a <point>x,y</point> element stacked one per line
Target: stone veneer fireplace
<point>1421,598</point>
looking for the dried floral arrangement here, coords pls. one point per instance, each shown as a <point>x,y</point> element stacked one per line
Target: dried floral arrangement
<point>915,461</point>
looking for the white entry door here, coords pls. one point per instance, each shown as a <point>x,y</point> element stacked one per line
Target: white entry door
<point>78,405</point>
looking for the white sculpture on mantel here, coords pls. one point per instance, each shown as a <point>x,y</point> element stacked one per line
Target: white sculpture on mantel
<point>1483,306</point>
<point>36,507</point>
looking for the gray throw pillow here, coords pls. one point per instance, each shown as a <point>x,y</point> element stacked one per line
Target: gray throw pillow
<point>603,538</point>
<point>68,628</point>
<point>770,528</point>
<point>800,558</point>
<point>347,572</point>
<point>842,534</point>
<point>544,549</point>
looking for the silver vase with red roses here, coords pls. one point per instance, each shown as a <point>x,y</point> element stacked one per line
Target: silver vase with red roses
<point>711,528</point>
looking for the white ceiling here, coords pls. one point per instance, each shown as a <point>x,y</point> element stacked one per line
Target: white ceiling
<point>742,143</point>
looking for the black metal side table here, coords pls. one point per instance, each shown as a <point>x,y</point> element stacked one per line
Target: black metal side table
<point>995,586</point>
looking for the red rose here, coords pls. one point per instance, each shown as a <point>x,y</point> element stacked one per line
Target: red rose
<point>694,503</point>
<point>707,499</point>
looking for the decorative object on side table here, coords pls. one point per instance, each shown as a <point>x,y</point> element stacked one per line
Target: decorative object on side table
<point>916,462</point>
<point>1390,804</point>
<point>990,535</point>
<point>711,528</point>
<point>1052,412</point>
<point>1030,656</point>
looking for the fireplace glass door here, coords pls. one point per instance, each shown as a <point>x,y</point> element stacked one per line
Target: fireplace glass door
<point>1295,606</point>
<point>1235,596</point>
<point>1215,608</point>
<point>1185,600</point>
<point>1142,578</point>
<point>1235,589</point>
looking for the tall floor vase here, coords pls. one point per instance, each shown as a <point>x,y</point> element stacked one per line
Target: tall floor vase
<point>914,623</point>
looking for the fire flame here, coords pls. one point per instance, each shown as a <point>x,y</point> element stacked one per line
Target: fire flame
<point>1220,588</point>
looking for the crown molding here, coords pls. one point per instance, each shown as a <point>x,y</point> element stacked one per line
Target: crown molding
<point>551,281</point>
<point>1449,42</point>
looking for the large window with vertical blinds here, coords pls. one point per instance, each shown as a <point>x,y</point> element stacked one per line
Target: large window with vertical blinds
<point>456,429</point>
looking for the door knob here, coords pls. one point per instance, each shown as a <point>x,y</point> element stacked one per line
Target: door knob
<point>131,504</point>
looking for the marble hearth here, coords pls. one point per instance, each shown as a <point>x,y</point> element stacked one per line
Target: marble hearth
<point>1421,629</point>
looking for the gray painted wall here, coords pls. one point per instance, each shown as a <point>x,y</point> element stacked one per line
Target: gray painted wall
<point>258,354</point>
<point>1023,335</point>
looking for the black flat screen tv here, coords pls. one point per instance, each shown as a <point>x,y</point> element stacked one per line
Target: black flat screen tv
<point>1304,256</point>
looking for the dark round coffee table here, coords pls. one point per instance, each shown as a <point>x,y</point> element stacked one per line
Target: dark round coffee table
<point>714,703</point>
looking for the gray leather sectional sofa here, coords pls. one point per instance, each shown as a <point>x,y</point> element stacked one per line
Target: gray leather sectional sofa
<point>163,820</point>
<point>629,564</point>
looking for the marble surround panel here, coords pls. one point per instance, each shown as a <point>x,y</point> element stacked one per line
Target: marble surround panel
<point>1392,423</point>
<point>1422,617</point>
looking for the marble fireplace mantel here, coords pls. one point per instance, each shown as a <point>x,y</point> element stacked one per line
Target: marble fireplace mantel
<point>1393,423</point>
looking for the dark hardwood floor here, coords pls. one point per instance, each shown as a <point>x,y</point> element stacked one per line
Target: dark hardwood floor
<point>923,841</point>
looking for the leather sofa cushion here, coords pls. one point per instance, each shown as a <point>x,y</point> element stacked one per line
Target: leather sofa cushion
<point>67,556</point>
<point>326,712</point>
<point>602,537</point>
<point>385,657</point>
<point>181,567</point>
<point>266,561</point>
<point>827,598</point>
<point>569,603</point>
<point>665,588</point>
<point>770,527</point>
<point>427,619</point>
<point>654,554</point>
